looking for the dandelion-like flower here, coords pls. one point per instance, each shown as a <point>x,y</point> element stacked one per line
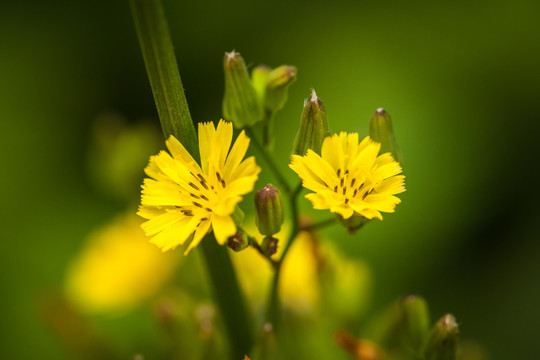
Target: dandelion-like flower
<point>184,198</point>
<point>348,178</point>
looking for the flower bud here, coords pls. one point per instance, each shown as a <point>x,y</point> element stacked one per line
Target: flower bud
<point>416,322</point>
<point>313,127</point>
<point>269,210</point>
<point>259,76</point>
<point>238,241</point>
<point>277,85</point>
<point>353,223</point>
<point>241,104</point>
<point>442,343</point>
<point>269,245</point>
<point>381,131</point>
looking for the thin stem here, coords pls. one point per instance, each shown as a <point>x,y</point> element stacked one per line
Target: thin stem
<point>273,312</point>
<point>268,159</point>
<point>253,242</point>
<point>267,129</point>
<point>175,119</point>
<point>319,225</point>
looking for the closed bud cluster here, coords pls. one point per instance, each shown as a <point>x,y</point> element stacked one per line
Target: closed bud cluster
<point>269,210</point>
<point>382,131</point>
<point>241,104</point>
<point>313,127</point>
<point>443,341</point>
<point>277,86</point>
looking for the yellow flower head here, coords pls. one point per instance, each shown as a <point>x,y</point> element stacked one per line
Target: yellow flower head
<point>117,269</point>
<point>349,178</point>
<point>183,198</point>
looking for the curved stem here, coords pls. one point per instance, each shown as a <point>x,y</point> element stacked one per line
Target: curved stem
<point>268,159</point>
<point>319,225</point>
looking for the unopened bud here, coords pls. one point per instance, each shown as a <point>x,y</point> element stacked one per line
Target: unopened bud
<point>238,241</point>
<point>416,322</point>
<point>313,127</point>
<point>259,77</point>
<point>353,223</point>
<point>269,210</point>
<point>277,85</point>
<point>442,343</point>
<point>269,245</point>
<point>382,131</point>
<point>241,104</point>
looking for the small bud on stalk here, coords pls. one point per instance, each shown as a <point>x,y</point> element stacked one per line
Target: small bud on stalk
<point>269,245</point>
<point>313,127</point>
<point>442,343</point>
<point>269,210</point>
<point>416,321</point>
<point>259,76</point>
<point>382,131</point>
<point>277,86</point>
<point>238,241</point>
<point>241,104</point>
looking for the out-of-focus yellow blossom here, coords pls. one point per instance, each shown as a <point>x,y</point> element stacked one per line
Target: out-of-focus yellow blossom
<point>183,198</point>
<point>302,280</point>
<point>117,269</point>
<point>348,178</point>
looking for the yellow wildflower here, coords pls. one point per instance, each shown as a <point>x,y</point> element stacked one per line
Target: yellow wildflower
<point>183,198</point>
<point>117,269</point>
<point>349,178</point>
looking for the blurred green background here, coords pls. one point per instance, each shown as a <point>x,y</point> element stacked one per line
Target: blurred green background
<point>460,79</point>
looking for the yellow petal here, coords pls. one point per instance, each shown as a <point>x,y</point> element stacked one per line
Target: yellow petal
<point>224,227</point>
<point>236,154</point>
<point>201,231</point>
<point>206,138</point>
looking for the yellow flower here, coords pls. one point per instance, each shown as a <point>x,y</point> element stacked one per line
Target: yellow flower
<point>183,198</point>
<point>349,178</point>
<point>117,269</point>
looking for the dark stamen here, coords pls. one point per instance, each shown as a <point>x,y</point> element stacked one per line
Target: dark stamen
<point>338,172</point>
<point>195,196</point>
<point>346,200</point>
<point>197,204</point>
<point>342,181</point>
<point>344,190</point>
<point>204,197</point>
<point>193,186</point>
<point>335,188</point>
<point>353,181</point>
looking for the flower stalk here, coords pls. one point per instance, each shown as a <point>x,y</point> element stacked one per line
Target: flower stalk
<point>173,111</point>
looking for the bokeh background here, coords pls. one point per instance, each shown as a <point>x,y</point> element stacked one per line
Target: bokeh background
<point>460,79</point>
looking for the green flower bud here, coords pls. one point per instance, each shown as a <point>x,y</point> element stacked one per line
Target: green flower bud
<point>269,245</point>
<point>259,77</point>
<point>238,241</point>
<point>313,127</point>
<point>241,104</point>
<point>442,343</point>
<point>381,131</point>
<point>353,223</point>
<point>416,322</point>
<point>269,210</point>
<point>277,85</point>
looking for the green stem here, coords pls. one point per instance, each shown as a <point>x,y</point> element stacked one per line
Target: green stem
<point>273,312</point>
<point>175,119</point>
<point>160,61</point>
<point>267,129</point>
<point>269,161</point>
<point>320,224</point>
